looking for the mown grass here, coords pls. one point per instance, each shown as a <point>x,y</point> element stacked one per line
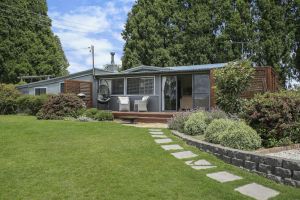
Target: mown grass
<point>76,160</point>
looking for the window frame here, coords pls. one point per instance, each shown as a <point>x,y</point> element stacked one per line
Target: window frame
<point>39,88</point>
<point>124,88</point>
<point>140,77</point>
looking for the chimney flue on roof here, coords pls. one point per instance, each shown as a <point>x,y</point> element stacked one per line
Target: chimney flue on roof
<point>112,57</point>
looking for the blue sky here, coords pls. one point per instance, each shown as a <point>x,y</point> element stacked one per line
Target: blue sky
<point>81,23</point>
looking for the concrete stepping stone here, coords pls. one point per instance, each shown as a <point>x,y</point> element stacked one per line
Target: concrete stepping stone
<point>223,176</point>
<point>184,154</point>
<point>154,129</point>
<point>163,141</point>
<point>156,133</point>
<point>159,136</point>
<point>171,147</point>
<point>202,167</point>
<point>257,191</point>
<point>198,163</point>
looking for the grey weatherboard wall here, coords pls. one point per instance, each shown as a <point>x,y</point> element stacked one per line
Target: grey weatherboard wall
<point>53,85</point>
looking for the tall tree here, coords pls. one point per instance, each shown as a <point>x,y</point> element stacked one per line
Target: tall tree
<point>276,41</point>
<point>27,44</point>
<point>213,31</point>
<point>150,33</point>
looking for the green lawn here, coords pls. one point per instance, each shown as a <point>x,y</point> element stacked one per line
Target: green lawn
<point>76,160</point>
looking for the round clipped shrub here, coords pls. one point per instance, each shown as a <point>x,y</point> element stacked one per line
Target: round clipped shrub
<point>60,106</point>
<point>196,124</point>
<point>215,129</point>
<point>240,136</point>
<point>178,120</point>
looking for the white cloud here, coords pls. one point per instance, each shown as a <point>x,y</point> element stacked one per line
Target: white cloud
<point>100,26</point>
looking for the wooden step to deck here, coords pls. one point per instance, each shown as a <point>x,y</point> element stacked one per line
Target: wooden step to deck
<point>145,117</point>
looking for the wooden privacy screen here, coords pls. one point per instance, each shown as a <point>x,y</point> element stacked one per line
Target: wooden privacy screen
<point>265,80</point>
<point>77,87</point>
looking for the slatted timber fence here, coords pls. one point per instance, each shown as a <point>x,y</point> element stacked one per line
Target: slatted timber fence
<point>76,87</point>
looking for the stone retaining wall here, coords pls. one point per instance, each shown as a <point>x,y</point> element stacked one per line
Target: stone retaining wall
<point>277,169</point>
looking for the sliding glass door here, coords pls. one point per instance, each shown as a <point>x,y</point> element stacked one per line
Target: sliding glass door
<point>201,91</point>
<point>169,93</point>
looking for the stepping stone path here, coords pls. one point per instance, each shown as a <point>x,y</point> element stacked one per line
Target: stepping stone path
<point>156,133</point>
<point>253,190</point>
<point>159,136</point>
<point>257,191</point>
<point>154,129</point>
<point>202,167</point>
<point>184,154</point>
<point>200,164</point>
<point>171,147</point>
<point>163,141</point>
<point>223,177</point>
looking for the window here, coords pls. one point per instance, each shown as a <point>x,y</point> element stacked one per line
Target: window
<point>40,91</point>
<point>62,87</point>
<point>140,86</point>
<point>116,86</point>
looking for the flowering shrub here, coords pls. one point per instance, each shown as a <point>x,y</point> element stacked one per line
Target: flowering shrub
<point>178,120</point>
<point>274,116</point>
<point>60,106</point>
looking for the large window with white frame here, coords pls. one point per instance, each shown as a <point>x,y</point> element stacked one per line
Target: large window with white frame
<point>40,91</point>
<point>140,86</point>
<point>116,85</point>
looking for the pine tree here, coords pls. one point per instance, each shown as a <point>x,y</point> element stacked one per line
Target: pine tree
<point>27,44</point>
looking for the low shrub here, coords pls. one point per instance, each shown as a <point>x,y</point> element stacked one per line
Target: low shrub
<point>60,106</point>
<point>8,99</point>
<point>30,104</point>
<point>196,124</point>
<point>240,136</point>
<point>99,115</point>
<point>216,114</point>
<point>91,112</point>
<point>274,116</point>
<point>104,116</point>
<point>215,129</point>
<point>178,120</point>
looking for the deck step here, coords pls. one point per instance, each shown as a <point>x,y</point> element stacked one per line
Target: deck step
<point>145,117</point>
<point>144,114</point>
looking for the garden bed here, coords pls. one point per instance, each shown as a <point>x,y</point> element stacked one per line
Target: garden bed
<point>281,170</point>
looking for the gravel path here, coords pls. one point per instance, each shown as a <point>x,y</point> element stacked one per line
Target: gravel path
<point>290,154</point>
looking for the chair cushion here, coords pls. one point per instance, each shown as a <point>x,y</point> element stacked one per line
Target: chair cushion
<point>123,100</point>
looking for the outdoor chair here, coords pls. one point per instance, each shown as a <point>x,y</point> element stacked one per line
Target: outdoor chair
<point>124,103</point>
<point>142,104</point>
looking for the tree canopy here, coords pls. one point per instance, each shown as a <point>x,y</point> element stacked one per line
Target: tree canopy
<point>27,43</point>
<point>187,32</point>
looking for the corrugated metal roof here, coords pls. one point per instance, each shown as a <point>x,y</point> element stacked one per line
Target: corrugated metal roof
<point>197,67</point>
<point>150,69</point>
